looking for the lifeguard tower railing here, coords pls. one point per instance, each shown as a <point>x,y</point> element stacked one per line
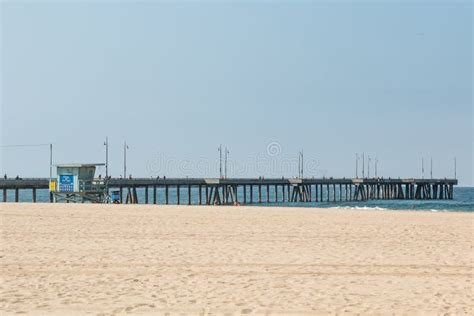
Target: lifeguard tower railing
<point>96,185</point>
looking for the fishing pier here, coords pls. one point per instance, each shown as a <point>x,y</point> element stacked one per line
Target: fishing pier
<point>202,191</point>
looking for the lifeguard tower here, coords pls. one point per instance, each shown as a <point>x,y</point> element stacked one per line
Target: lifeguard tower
<point>75,183</point>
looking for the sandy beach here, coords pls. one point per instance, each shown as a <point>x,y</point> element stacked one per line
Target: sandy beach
<point>109,259</point>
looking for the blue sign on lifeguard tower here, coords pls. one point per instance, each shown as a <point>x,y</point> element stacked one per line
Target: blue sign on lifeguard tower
<point>66,183</point>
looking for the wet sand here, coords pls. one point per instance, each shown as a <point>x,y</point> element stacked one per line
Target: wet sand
<point>73,259</point>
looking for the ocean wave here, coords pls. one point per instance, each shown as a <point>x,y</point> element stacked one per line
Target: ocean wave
<point>373,208</point>
<point>378,208</point>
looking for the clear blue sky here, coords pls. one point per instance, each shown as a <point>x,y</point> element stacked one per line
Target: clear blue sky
<point>392,79</point>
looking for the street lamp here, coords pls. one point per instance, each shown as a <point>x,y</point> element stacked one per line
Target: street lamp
<point>455,167</point>
<point>50,161</point>
<point>368,166</point>
<point>300,164</point>
<point>363,165</point>
<point>422,168</point>
<point>106,144</point>
<point>226,155</point>
<point>376,163</point>
<point>220,160</point>
<point>357,165</point>
<point>125,147</point>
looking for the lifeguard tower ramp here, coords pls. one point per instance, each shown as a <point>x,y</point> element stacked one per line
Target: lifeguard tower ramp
<point>75,183</point>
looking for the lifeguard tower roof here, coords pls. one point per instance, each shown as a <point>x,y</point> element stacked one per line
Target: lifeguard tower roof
<point>78,165</point>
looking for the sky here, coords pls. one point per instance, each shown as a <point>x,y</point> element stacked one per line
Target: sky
<point>388,79</point>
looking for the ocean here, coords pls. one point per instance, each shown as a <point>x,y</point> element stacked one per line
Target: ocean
<point>463,200</point>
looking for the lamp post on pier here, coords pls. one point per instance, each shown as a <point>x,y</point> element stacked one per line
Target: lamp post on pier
<point>106,144</point>
<point>227,152</point>
<point>357,166</point>
<point>125,147</point>
<point>50,161</point>
<point>376,163</point>
<point>422,168</point>
<point>431,168</point>
<point>368,166</point>
<point>300,164</point>
<point>455,167</point>
<point>220,160</point>
<point>363,165</point>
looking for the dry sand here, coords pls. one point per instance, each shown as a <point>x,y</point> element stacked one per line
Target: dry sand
<point>65,259</point>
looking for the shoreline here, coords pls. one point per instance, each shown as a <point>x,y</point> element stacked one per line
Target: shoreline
<point>264,205</point>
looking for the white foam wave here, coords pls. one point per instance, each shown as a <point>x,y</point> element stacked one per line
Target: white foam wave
<point>374,208</point>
